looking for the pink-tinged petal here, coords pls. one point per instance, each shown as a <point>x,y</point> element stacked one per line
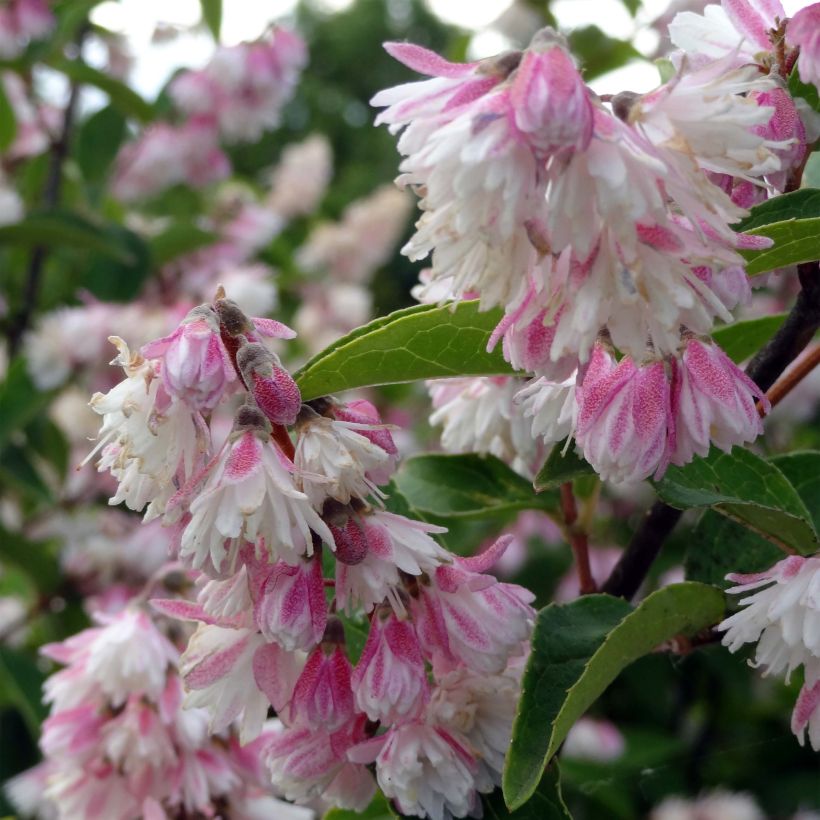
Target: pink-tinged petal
<point>275,672</point>
<point>245,458</point>
<point>804,708</point>
<point>182,610</point>
<point>215,666</point>
<point>487,559</point>
<point>278,396</point>
<point>367,751</point>
<point>427,62</point>
<point>272,329</point>
<point>752,22</point>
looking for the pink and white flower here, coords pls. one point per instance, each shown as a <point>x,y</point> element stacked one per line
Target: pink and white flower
<point>196,367</point>
<point>390,680</point>
<point>624,417</point>
<point>290,606</point>
<point>713,402</point>
<point>803,31</point>
<point>250,495</point>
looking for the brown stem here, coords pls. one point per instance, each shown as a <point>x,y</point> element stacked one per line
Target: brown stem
<point>794,335</point>
<point>51,198</point>
<point>578,539</point>
<point>282,438</point>
<point>792,378</point>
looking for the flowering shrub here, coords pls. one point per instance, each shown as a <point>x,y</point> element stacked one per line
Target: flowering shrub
<point>307,603</point>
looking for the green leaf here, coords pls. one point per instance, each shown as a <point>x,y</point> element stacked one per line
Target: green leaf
<point>741,340</point>
<point>379,809</point>
<point>22,681</point>
<point>466,486</point>
<point>747,489</point>
<point>598,53</point>
<point>179,239</point>
<point>793,221</point>
<point>578,649</point>
<point>98,142</point>
<point>18,470</point>
<point>802,469</point>
<point>718,546</point>
<point>20,401</point>
<point>547,803</point>
<point>36,558</point>
<point>62,228</point>
<point>119,279</point>
<point>805,91</point>
<point>561,467</point>
<point>421,342</point>
<point>212,16</point>
<point>357,628</point>
<point>121,96</point>
<point>49,442</point>
<point>8,122</point>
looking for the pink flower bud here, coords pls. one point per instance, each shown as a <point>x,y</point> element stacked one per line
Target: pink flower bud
<point>624,417</point>
<point>713,402</point>
<point>390,681</point>
<point>549,98</point>
<point>322,697</point>
<point>272,387</point>
<point>196,367</point>
<point>291,608</point>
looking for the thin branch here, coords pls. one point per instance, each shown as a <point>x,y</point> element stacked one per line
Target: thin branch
<point>51,198</point>
<point>784,347</point>
<point>578,539</point>
<point>781,388</point>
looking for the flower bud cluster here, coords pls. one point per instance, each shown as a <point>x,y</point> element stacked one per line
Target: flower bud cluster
<point>591,221</point>
<point>293,548</point>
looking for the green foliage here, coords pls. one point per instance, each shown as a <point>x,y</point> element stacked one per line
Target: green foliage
<point>98,141</point>
<point>578,649</point>
<point>741,340</point>
<point>598,53</point>
<point>178,239</point>
<point>561,467</point>
<point>467,486</point>
<point>804,91</point>
<point>546,803</point>
<point>379,809</point>
<point>212,16</point>
<point>422,342</point>
<point>20,684</point>
<point>747,489</point>
<point>8,122</point>
<point>792,221</point>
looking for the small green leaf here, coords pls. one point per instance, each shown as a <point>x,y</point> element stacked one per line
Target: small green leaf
<point>466,486</point>
<point>62,228</point>
<point>719,546</point>
<point>18,470</point>
<point>422,342</point>
<point>120,279</point>
<point>179,239</point>
<point>802,469</point>
<point>8,122</point>
<point>22,681</point>
<point>561,467</point>
<point>121,96</point>
<point>212,16</point>
<point>20,401</point>
<point>379,809</point>
<point>747,489</point>
<point>36,558</point>
<point>793,221</point>
<point>578,649</point>
<point>741,340</point>
<point>547,803</point>
<point>98,142</point>
<point>598,53</point>
<point>805,91</point>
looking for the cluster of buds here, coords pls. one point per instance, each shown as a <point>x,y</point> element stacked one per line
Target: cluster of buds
<point>292,547</point>
<point>597,222</point>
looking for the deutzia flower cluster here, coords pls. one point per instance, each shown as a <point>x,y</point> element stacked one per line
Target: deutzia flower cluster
<point>781,613</point>
<point>284,527</point>
<point>603,229</point>
<point>119,745</point>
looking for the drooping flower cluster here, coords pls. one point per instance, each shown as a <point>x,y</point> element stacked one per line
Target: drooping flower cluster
<point>20,22</point>
<point>293,549</point>
<point>605,224</point>
<point>119,745</point>
<point>781,614</point>
<point>235,98</point>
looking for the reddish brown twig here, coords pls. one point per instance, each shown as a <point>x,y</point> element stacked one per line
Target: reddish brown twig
<point>578,539</point>
<point>804,365</point>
